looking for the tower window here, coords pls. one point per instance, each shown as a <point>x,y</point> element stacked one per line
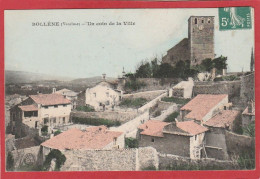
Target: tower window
<point>202,21</point>
<point>208,20</point>
<point>152,140</point>
<point>196,21</point>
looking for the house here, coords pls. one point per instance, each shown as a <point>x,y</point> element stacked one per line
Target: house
<point>177,138</point>
<point>182,89</point>
<point>248,115</point>
<point>92,138</point>
<point>215,138</point>
<point>103,96</point>
<point>39,110</point>
<point>69,94</point>
<point>204,106</point>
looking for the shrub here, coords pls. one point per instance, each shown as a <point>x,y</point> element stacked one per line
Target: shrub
<point>44,129</point>
<point>181,101</point>
<point>246,159</point>
<point>171,117</point>
<point>57,132</point>
<point>134,103</point>
<point>96,121</point>
<point>9,162</point>
<point>60,160</point>
<point>249,130</point>
<point>131,142</point>
<point>86,108</point>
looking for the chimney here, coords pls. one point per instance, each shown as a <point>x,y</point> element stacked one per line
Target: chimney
<point>53,90</point>
<point>249,107</point>
<point>104,77</point>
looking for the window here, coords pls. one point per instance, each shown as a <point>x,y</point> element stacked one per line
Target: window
<point>45,107</point>
<point>196,21</point>
<point>209,20</point>
<point>107,103</point>
<point>63,119</point>
<point>202,21</point>
<point>225,107</point>
<point>64,105</point>
<point>55,106</point>
<point>152,140</point>
<point>195,137</point>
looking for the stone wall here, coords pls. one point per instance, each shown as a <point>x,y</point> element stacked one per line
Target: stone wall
<point>238,143</point>
<point>168,160</point>
<point>27,156</point>
<point>232,88</point>
<point>169,144</point>
<point>110,115</point>
<point>81,99</point>
<point>110,160</point>
<point>152,103</point>
<point>157,83</point>
<point>180,52</point>
<point>247,91</point>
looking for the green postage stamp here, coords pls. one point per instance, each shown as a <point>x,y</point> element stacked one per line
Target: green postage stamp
<point>231,18</point>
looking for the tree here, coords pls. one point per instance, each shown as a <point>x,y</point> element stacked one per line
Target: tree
<point>220,63</point>
<point>206,64</point>
<point>60,159</point>
<point>144,70</point>
<point>165,71</point>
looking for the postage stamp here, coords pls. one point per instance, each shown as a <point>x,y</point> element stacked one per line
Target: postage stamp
<point>231,18</point>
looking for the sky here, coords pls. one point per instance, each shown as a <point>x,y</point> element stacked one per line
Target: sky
<point>85,51</point>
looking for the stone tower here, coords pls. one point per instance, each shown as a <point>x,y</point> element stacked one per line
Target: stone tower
<point>201,38</point>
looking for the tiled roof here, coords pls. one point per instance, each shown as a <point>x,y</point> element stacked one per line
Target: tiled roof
<point>50,99</point>
<point>29,108</point>
<point>93,138</point>
<point>223,119</point>
<point>153,128</point>
<point>202,104</point>
<point>191,127</point>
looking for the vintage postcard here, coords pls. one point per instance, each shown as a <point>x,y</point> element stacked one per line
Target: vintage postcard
<point>130,89</point>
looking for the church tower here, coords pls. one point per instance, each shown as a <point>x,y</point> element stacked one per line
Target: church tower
<point>201,38</point>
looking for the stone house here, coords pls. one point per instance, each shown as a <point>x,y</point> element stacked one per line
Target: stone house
<point>92,138</point>
<point>103,96</point>
<point>248,115</point>
<point>215,138</point>
<point>69,94</point>
<point>177,138</point>
<point>39,110</point>
<point>203,107</point>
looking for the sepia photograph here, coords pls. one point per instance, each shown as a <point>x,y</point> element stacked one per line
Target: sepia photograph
<point>164,89</point>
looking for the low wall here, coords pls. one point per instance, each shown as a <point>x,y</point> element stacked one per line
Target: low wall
<point>110,160</point>
<point>152,103</point>
<point>232,88</point>
<point>28,156</point>
<point>167,160</point>
<point>130,128</point>
<point>238,143</point>
<point>110,115</point>
<point>178,92</point>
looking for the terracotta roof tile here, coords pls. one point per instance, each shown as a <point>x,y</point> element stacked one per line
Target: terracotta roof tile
<point>153,128</point>
<point>202,104</point>
<point>223,119</point>
<point>29,108</point>
<point>50,99</point>
<point>191,127</point>
<point>93,138</point>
